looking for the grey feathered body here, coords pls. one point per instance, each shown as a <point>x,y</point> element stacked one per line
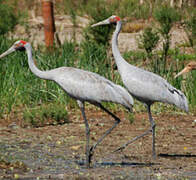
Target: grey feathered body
<point>88,86</point>
<point>149,87</point>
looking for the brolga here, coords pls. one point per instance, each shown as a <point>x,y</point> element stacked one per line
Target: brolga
<point>189,67</point>
<point>84,86</point>
<point>145,86</point>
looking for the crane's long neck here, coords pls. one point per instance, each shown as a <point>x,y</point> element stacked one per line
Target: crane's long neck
<point>116,53</point>
<point>33,67</point>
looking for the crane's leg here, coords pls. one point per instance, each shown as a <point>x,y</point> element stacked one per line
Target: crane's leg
<point>88,158</point>
<point>117,121</point>
<point>153,125</point>
<point>144,134</point>
<point>132,140</point>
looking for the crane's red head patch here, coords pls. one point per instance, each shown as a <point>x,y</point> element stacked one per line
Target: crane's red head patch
<point>23,42</point>
<point>19,45</point>
<point>117,18</point>
<point>114,19</point>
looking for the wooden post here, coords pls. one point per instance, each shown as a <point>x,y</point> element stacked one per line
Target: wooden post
<point>194,3</point>
<point>141,2</point>
<point>49,26</point>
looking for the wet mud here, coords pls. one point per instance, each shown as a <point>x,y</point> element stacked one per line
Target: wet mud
<point>58,152</point>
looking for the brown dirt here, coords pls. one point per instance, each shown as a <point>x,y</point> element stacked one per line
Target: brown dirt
<point>56,152</point>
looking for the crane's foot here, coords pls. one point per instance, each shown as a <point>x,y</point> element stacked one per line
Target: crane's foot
<point>88,161</point>
<point>89,157</point>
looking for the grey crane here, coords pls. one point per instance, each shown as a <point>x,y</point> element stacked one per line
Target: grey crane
<point>145,86</point>
<point>84,86</point>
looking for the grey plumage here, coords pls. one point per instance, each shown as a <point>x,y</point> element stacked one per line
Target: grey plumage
<point>91,87</point>
<point>82,86</point>
<point>145,86</point>
<point>148,87</point>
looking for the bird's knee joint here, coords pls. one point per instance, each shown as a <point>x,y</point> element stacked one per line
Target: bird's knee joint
<point>117,120</point>
<point>153,126</point>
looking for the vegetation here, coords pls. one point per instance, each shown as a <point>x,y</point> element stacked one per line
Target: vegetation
<point>42,115</point>
<point>46,100</point>
<point>7,17</point>
<point>166,16</point>
<point>149,40</point>
<point>191,28</point>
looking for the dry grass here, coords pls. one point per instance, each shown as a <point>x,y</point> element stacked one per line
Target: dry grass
<point>132,27</point>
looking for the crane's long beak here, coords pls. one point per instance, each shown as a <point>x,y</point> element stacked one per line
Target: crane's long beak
<point>10,50</point>
<point>185,70</point>
<point>104,22</point>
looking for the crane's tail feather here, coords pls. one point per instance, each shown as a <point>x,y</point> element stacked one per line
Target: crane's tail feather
<point>118,94</point>
<point>181,100</point>
<point>126,98</point>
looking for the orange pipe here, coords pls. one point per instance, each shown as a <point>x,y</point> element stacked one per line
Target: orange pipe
<point>49,27</point>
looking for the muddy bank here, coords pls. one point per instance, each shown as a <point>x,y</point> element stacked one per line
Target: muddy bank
<point>57,152</point>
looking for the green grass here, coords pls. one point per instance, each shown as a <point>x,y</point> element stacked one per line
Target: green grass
<point>19,87</point>
<point>44,99</point>
<point>47,114</point>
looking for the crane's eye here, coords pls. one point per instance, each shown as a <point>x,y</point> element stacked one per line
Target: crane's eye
<point>112,20</point>
<point>18,44</point>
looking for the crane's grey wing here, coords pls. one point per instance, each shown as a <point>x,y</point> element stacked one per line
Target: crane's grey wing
<point>149,87</point>
<point>121,94</point>
<point>88,86</point>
